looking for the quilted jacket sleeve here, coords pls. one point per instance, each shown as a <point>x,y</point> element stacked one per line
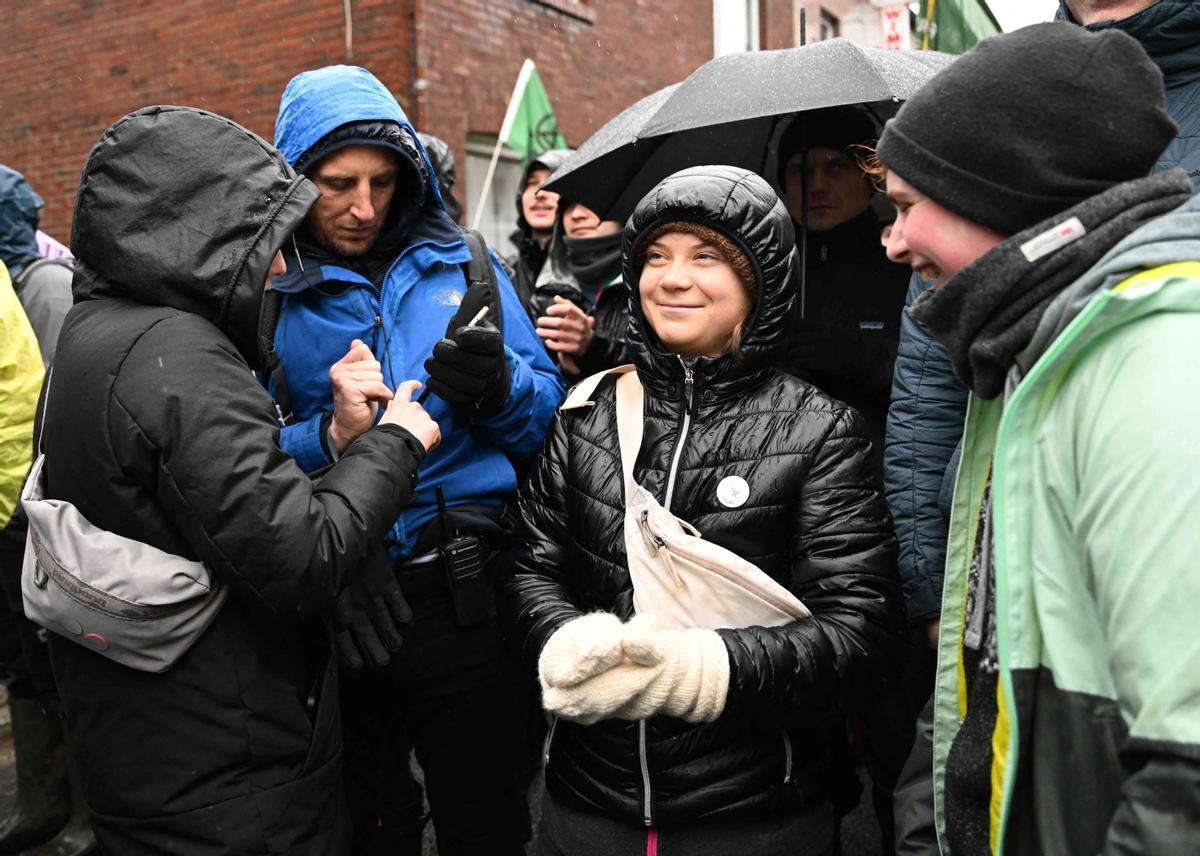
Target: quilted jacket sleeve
<point>924,425</point>
<point>535,599</point>
<point>843,555</point>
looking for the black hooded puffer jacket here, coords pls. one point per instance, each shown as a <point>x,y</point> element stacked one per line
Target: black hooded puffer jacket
<point>815,520</point>
<point>156,429</point>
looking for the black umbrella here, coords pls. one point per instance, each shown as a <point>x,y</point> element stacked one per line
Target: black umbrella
<point>726,112</point>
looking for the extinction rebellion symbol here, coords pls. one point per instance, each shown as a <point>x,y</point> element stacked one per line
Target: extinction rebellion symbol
<point>545,134</point>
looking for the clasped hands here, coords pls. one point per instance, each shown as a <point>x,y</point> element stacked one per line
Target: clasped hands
<point>596,667</point>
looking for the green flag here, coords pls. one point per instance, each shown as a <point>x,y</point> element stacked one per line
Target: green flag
<point>954,26</point>
<point>529,125</point>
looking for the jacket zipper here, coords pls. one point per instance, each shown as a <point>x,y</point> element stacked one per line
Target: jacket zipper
<point>549,737</point>
<point>647,801</point>
<point>787,758</point>
<point>689,390</point>
<point>689,381</point>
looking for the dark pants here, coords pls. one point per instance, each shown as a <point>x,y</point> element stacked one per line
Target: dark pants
<point>566,831</point>
<point>26,656</point>
<point>452,697</point>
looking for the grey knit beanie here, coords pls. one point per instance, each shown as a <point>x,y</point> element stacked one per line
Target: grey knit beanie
<point>1030,123</point>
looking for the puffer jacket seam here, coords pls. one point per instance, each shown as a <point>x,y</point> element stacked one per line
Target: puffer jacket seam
<point>114,398</point>
<point>578,491</point>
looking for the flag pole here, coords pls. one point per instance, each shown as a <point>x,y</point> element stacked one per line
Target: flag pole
<point>510,116</point>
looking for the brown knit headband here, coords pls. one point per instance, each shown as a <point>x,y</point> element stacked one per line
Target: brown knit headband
<point>729,251</point>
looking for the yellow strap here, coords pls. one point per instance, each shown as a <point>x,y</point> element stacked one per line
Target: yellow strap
<point>1000,738</point>
<point>1170,271</point>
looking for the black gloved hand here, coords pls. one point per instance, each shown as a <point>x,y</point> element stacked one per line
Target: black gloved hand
<point>371,615</point>
<point>826,352</point>
<point>468,369</point>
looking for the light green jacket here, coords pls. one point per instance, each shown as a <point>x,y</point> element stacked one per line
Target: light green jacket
<point>1096,533</point>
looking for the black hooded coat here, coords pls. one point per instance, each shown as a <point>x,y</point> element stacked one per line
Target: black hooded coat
<point>527,261</point>
<point>815,521</point>
<point>156,429</point>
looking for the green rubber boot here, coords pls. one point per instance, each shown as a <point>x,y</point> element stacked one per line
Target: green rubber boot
<point>76,838</point>
<point>42,805</point>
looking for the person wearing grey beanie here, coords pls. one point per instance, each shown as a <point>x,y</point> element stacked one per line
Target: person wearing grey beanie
<point>1067,292</point>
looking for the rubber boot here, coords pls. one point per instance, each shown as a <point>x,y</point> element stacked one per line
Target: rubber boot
<point>42,805</point>
<point>76,838</point>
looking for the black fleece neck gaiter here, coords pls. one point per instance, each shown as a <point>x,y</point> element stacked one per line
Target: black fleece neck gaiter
<point>987,313</point>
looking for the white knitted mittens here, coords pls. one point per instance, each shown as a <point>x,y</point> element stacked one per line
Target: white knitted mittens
<point>595,667</point>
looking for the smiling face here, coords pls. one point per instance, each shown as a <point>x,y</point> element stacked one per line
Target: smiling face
<point>935,242</point>
<point>357,184</point>
<point>691,295</point>
<point>838,191</point>
<point>539,206</point>
<point>579,221</point>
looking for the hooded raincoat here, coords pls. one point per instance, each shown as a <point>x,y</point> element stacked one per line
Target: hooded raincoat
<point>814,520</point>
<point>43,286</point>
<point>156,429</point>
<point>20,381</point>
<point>527,261</point>
<point>327,305</point>
<point>928,401</point>
<point>1095,530</point>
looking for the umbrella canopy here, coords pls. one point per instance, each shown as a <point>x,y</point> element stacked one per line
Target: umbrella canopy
<point>726,112</point>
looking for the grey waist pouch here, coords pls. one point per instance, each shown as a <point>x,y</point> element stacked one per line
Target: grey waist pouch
<point>123,599</point>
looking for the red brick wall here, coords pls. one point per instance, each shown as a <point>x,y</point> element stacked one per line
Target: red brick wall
<point>777,19</point>
<point>469,53</point>
<point>72,67</point>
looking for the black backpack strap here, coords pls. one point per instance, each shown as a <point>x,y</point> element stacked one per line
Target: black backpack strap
<point>480,271</point>
<point>273,374</point>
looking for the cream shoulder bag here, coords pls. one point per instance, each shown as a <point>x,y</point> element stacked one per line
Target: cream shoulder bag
<point>681,579</point>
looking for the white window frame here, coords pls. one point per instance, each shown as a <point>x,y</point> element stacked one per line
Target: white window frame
<point>500,218</point>
<point>735,26</point>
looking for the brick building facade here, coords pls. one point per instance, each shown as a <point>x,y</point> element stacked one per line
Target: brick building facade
<point>72,67</point>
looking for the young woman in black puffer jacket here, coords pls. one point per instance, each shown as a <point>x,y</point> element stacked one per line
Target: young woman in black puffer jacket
<point>723,744</point>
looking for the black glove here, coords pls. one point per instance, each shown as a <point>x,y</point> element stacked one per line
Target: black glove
<point>815,349</point>
<point>468,369</point>
<point>370,616</point>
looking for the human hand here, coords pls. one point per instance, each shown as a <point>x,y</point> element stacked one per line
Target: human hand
<point>932,631</point>
<point>358,387</point>
<point>412,417</point>
<point>604,669</point>
<point>468,369</point>
<point>566,329</point>
<point>580,669</point>
<point>371,615</point>
<point>689,672</point>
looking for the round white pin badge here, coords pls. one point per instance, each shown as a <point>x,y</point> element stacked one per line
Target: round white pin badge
<point>733,491</point>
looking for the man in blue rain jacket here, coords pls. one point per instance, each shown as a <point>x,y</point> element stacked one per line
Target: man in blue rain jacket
<point>379,265</point>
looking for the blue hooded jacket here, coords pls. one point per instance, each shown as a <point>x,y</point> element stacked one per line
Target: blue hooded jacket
<point>327,305</point>
<point>19,214</point>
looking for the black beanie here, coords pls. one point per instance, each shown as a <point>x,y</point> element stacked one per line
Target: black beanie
<point>1030,123</point>
<point>831,128</point>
